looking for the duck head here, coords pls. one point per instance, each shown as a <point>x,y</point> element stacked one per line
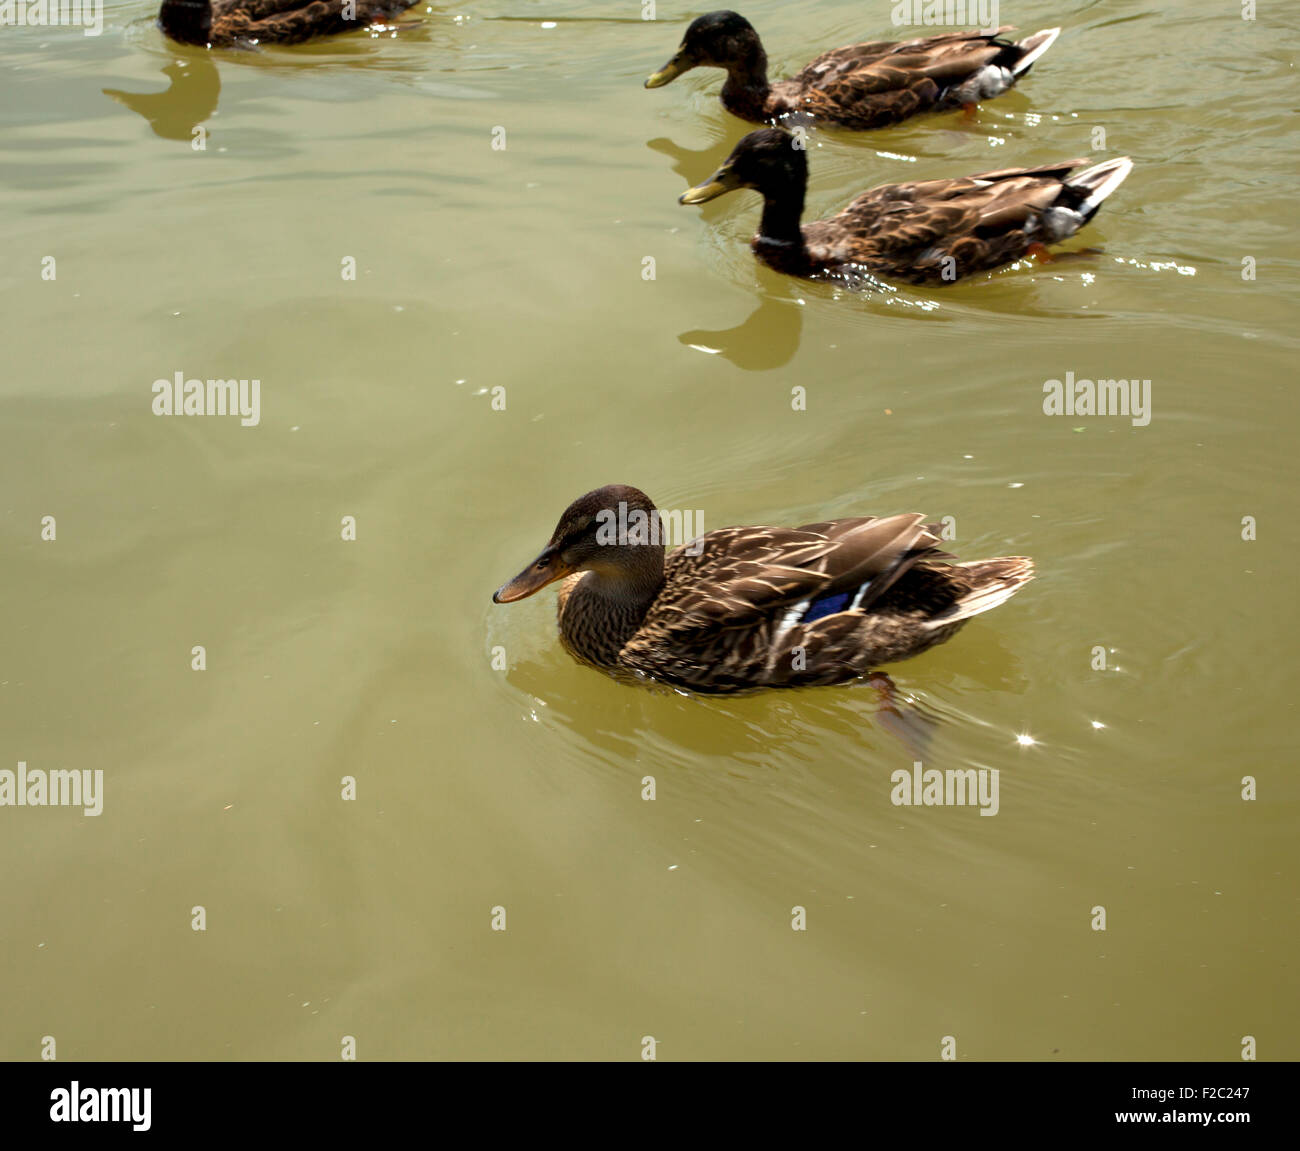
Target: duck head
<point>592,536</point>
<point>187,21</point>
<point>718,40</point>
<point>771,160</point>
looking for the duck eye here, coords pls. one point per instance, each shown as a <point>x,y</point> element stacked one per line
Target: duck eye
<point>544,561</point>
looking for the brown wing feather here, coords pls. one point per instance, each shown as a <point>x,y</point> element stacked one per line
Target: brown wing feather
<point>744,575</point>
<point>880,83</point>
<point>293,21</point>
<point>908,230</point>
<point>726,620</point>
<point>925,52</point>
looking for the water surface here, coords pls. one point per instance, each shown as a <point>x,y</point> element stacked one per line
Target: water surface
<point>479,268</point>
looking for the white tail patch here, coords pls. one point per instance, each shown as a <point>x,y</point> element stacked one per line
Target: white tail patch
<point>1035,46</point>
<point>1100,181</point>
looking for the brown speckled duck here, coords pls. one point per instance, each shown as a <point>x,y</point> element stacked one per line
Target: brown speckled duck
<point>926,232</point>
<point>245,23</point>
<point>861,86</point>
<point>755,607</point>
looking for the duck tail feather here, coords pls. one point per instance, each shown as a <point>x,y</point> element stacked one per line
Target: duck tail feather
<point>1099,182</point>
<point>1033,47</point>
<point>995,581</point>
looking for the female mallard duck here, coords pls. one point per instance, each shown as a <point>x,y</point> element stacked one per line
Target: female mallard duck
<point>862,86</point>
<point>931,231</point>
<point>229,23</point>
<point>752,607</point>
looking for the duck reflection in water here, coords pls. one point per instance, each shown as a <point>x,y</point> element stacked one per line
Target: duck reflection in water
<point>767,339</point>
<point>189,100</point>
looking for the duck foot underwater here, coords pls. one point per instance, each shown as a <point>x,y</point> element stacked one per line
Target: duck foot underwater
<point>908,723</point>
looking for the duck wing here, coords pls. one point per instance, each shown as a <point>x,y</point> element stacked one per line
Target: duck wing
<point>933,229</point>
<point>871,85</point>
<point>746,577</point>
<point>293,21</point>
<point>880,64</point>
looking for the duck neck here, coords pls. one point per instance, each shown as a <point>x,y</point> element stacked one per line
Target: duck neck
<point>780,240</point>
<point>745,92</point>
<point>782,211</point>
<point>605,608</point>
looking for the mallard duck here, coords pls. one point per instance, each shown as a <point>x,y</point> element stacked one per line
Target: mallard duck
<point>930,231</point>
<point>862,86</point>
<point>754,607</point>
<point>230,23</point>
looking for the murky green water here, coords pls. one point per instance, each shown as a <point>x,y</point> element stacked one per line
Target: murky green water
<point>521,268</point>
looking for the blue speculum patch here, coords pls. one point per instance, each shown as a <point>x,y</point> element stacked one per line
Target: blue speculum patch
<point>827,605</point>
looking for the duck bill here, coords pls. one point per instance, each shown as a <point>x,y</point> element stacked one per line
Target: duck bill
<point>545,569</point>
<point>670,71</point>
<point>723,180</point>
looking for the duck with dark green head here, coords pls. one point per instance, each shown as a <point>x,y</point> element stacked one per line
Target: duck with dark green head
<point>925,232</point>
<point>753,607</point>
<point>861,86</point>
